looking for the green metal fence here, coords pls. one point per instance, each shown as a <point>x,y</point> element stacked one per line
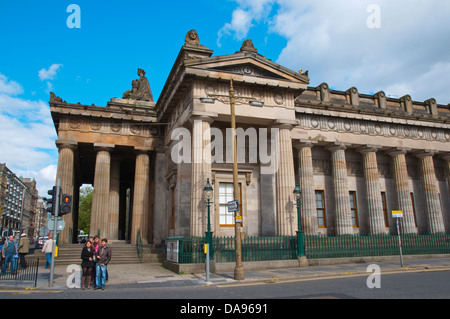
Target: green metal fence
<point>262,248</point>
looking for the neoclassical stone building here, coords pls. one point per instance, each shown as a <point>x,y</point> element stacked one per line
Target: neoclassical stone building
<point>356,157</point>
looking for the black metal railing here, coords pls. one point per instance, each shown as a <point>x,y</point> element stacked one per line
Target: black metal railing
<point>19,275</point>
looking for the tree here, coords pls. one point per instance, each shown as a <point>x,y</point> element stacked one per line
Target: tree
<point>84,210</point>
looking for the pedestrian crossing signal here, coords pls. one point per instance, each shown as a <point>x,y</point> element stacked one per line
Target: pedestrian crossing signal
<point>66,204</point>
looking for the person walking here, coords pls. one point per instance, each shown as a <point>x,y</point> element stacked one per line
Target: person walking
<point>87,264</point>
<point>9,253</point>
<point>47,249</point>
<point>24,248</point>
<point>103,258</point>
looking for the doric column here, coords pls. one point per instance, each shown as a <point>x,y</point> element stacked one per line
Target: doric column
<point>66,175</point>
<point>112,229</point>
<point>201,170</point>
<point>377,223</point>
<point>101,196</point>
<point>431,193</point>
<point>139,219</point>
<point>306,184</point>
<point>285,182</point>
<point>343,216</point>
<point>403,191</point>
<point>447,168</point>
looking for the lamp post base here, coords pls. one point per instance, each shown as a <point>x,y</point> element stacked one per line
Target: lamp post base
<point>239,273</point>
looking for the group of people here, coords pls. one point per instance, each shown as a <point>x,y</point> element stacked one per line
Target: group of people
<point>12,251</point>
<point>95,257</point>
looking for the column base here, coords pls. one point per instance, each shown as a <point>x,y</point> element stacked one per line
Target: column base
<point>303,262</point>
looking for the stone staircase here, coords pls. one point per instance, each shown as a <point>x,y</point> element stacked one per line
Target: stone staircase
<point>122,253</point>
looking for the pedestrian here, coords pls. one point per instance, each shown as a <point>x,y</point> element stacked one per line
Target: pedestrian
<point>103,258</point>
<point>24,248</point>
<point>87,264</point>
<point>9,253</point>
<point>95,246</point>
<point>2,243</point>
<point>47,249</point>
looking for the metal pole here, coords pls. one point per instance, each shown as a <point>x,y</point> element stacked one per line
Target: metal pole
<point>207,263</point>
<point>239,273</point>
<point>55,228</point>
<point>399,244</point>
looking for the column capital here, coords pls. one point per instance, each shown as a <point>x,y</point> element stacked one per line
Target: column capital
<point>60,144</point>
<point>424,153</point>
<point>336,146</point>
<point>397,151</point>
<point>142,150</point>
<point>285,124</point>
<point>103,147</point>
<point>368,149</point>
<point>299,144</point>
<point>202,116</point>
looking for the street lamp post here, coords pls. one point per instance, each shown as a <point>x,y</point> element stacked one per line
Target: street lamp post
<point>300,244</point>
<point>239,273</point>
<point>208,192</point>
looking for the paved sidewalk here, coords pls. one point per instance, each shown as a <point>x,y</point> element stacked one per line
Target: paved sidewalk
<point>134,276</point>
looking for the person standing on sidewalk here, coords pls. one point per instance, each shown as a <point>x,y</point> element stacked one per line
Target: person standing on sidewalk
<point>47,249</point>
<point>24,248</point>
<point>87,255</point>
<point>103,258</point>
<point>9,253</point>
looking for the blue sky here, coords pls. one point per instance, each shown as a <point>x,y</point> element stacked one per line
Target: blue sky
<point>407,53</point>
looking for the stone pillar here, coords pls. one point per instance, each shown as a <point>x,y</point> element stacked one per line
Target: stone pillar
<point>285,183</point>
<point>430,189</point>
<point>201,170</point>
<point>343,216</point>
<point>66,175</point>
<point>447,168</point>
<point>377,223</point>
<point>403,191</point>
<point>112,229</point>
<point>139,219</point>
<point>101,196</point>
<point>308,209</point>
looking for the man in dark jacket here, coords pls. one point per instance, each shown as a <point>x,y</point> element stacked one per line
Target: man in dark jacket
<point>103,258</point>
<point>9,253</point>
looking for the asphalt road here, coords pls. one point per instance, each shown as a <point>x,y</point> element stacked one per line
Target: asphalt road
<point>410,285</point>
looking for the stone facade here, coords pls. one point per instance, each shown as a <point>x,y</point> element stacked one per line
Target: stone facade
<point>355,156</point>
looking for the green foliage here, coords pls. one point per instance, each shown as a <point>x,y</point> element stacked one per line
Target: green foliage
<point>84,215</point>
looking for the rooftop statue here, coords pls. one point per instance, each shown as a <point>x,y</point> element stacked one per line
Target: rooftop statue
<point>248,46</point>
<point>191,37</point>
<point>140,89</point>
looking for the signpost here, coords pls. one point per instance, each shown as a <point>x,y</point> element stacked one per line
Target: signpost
<point>398,214</point>
<point>207,262</point>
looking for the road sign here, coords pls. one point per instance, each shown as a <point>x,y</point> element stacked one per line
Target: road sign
<point>233,206</point>
<point>397,214</point>
<point>59,225</point>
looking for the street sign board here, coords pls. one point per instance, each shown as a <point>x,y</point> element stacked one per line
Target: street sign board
<point>397,214</point>
<point>233,206</point>
<point>59,225</point>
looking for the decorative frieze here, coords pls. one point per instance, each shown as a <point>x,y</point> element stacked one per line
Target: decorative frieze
<point>327,123</point>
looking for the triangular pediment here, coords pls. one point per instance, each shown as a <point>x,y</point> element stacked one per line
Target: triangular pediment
<point>248,65</point>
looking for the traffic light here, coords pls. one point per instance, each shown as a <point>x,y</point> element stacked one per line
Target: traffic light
<point>66,204</point>
<point>55,195</point>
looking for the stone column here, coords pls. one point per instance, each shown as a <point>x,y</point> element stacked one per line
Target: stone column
<point>66,175</point>
<point>377,223</point>
<point>431,193</point>
<point>101,196</point>
<point>306,183</point>
<point>403,191</point>
<point>285,183</point>
<point>344,223</point>
<point>447,168</point>
<point>201,170</point>
<point>139,219</point>
<point>112,229</point>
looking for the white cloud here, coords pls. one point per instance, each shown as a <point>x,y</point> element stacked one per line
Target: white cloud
<point>331,39</point>
<point>50,73</point>
<point>27,142</point>
<point>9,87</point>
